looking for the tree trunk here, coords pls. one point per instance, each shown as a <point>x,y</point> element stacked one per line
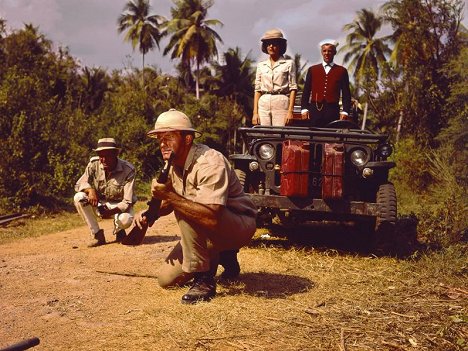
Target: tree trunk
<point>364,118</point>
<point>398,130</point>
<point>143,73</point>
<point>197,78</point>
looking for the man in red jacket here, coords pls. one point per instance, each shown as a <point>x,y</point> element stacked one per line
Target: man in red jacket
<point>325,83</point>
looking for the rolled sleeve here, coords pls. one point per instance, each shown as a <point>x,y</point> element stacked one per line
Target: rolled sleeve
<point>292,76</point>
<point>84,181</point>
<point>128,197</point>
<point>213,186</point>
<point>258,79</point>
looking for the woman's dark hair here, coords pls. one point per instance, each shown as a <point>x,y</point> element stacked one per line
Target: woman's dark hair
<point>282,44</point>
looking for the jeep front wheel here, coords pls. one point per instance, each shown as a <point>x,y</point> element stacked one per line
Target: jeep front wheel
<point>386,219</point>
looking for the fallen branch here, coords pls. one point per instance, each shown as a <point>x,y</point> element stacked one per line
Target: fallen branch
<point>135,275</point>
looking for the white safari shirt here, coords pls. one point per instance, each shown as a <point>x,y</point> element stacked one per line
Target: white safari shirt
<point>281,78</point>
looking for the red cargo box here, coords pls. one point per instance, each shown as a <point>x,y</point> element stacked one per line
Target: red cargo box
<point>295,168</point>
<point>333,170</point>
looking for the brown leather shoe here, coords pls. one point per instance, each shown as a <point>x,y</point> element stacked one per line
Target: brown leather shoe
<point>98,239</point>
<point>203,288</point>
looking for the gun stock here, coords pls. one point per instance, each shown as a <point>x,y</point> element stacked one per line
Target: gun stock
<point>136,235</point>
<point>22,345</point>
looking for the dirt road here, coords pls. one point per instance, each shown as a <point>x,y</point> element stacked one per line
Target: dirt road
<point>52,287</point>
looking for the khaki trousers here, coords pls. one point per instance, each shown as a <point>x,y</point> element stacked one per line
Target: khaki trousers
<point>198,249</point>
<point>273,109</point>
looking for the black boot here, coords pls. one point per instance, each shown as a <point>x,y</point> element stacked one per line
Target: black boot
<point>120,235</point>
<point>228,259</point>
<point>203,288</point>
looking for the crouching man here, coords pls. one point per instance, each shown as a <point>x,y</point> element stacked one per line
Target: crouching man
<point>106,189</point>
<point>214,215</point>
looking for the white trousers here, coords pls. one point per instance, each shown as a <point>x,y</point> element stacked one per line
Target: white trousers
<point>89,214</point>
<point>273,109</point>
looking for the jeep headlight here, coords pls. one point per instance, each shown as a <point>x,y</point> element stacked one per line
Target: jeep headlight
<point>359,157</point>
<point>266,151</point>
<point>385,150</point>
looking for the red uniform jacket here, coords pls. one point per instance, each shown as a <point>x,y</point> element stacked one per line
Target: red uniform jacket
<point>322,87</point>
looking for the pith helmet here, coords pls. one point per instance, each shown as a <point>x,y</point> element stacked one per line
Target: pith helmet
<point>172,120</point>
<point>106,144</point>
<point>273,34</point>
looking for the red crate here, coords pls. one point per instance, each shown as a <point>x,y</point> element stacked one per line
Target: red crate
<point>333,170</point>
<point>295,168</point>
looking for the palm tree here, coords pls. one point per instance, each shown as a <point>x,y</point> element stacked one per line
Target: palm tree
<point>365,52</point>
<point>143,29</point>
<point>235,78</point>
<point>96,83</point>
<point>192,38</point>
<point>300,69</point>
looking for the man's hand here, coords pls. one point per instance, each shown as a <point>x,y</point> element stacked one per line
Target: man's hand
<point>92,196</point>
<point>139,220</point>
<point>161,191</point>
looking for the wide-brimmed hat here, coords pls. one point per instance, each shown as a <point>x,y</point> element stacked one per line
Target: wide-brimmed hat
<point>273,34</point>
<point>106,144</point>
<point>172,120</point>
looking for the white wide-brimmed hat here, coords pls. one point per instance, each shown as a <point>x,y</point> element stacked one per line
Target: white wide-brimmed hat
<point>172,120</point>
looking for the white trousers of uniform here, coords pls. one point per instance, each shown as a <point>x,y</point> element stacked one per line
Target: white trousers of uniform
<point>273,109</point>
<point>89,214</point>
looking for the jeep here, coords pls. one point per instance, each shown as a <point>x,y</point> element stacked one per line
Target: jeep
<point>302,174</point>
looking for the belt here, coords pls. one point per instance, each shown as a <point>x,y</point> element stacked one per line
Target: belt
<point>279,92</point>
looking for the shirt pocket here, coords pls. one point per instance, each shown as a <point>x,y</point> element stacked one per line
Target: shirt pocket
<point>115,190</point>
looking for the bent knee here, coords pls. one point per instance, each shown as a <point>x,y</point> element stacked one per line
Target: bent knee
<point>80,196</point>
<point>167,281</point>
<point>125,220</point>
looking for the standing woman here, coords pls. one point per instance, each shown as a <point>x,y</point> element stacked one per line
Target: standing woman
<point>275,83</point>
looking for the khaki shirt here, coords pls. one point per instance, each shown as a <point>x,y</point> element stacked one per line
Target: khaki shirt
<point>208,178</point>
<point>118,187</point>
<point>280,78</point>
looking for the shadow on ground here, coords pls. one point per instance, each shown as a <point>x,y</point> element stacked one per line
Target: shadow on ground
<point>269,285</point>
<point>343,237</point>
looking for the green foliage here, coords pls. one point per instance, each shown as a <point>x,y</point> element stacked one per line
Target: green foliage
<point>446,220</point>
<point>33,133</point>
<point>425,38</point>
<point>412,171</point>
<point>427,186</point>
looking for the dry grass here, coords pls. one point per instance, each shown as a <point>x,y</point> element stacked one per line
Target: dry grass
<point>295,296</point>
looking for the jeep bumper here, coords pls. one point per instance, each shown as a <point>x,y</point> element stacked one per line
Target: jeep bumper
<point>342,207</point>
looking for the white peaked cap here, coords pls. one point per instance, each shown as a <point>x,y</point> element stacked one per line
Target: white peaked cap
<point>328,41</point>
